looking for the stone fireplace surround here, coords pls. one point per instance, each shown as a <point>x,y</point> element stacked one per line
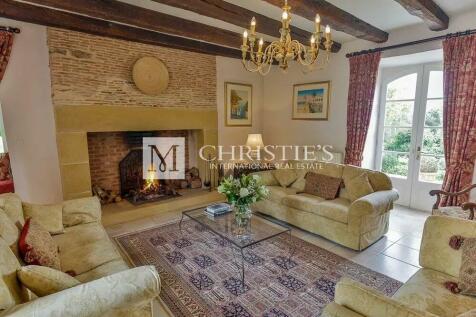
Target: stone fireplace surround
<point>73,123</point>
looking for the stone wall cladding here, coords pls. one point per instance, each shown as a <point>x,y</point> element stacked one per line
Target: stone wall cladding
<point>107,149</point>
<point>95,70</point>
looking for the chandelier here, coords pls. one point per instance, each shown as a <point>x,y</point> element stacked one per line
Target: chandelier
<point>255,59</point>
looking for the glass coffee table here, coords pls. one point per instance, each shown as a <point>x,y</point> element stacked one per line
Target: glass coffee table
<point>260,229</point>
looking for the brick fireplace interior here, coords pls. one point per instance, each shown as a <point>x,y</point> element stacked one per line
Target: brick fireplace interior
<point>108,149</point>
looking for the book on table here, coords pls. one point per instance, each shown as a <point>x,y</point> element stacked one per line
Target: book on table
<point>217,209</point>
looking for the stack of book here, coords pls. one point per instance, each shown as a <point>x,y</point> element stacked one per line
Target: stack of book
<point>217,209</point>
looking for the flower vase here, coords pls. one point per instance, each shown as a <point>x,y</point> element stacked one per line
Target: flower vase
<point>242,220</point>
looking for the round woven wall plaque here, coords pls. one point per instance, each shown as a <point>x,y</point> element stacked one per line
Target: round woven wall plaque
<point>150,75</point>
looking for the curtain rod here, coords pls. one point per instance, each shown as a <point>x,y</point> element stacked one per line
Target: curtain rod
<point>431,39</point>
<point>9,29</point>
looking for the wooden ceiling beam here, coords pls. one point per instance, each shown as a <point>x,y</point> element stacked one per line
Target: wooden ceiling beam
<point>337,18</point>
<point>120,12</point>
<point>236,15</point>
<point>428,11</point>
<point>53,18</point>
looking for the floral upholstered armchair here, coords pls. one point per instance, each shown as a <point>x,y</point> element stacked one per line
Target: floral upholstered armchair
<point>465,211</point>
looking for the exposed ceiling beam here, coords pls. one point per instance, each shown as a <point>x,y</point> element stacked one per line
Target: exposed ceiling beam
<point>53,18</point>
<point>428,11</point>
<point>236,15</point>
<point>337,18</point>
<point>116,11</point>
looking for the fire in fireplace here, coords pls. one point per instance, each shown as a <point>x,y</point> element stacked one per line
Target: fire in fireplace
<point>138,190</point>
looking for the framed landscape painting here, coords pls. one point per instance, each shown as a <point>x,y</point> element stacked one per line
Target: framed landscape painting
<point>238,104</point>
<point>311,101</point>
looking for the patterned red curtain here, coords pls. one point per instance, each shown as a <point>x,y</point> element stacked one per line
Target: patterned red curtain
<point>363,79</point>
<point>6,42</point>
<point>459,115</point>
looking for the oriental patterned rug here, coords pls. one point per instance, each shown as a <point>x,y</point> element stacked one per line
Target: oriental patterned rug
<point>200,273</point>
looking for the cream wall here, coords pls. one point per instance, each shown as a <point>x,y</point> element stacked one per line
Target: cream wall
<point>231,70</point>
<point>27,109</point>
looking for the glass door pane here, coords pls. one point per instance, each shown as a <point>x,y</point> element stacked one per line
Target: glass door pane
<point>432,162</point>
<point>397,128</point>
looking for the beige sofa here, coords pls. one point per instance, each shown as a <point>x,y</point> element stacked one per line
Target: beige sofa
<point>424,294</point>
<point>354,224</point>
<point>109,287</point>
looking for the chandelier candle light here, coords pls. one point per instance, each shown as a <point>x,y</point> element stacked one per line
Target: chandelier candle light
<point>285,49</point>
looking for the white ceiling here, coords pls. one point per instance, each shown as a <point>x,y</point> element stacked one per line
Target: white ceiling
<point>384,14</point>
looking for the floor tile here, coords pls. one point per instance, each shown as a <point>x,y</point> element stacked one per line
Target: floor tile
<point>410,241</point>
<point>403,253</point>
<point>394,235</point>
<point>389,266</point>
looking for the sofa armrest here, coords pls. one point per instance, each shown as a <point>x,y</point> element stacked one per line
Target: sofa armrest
<point>81,210</point>
<point>94,299</point>
<point>368,302</point>
<point>376,203</point>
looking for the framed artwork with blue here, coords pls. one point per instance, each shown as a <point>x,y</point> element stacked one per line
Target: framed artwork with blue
<point>311,101</point>
<point>238,105</point>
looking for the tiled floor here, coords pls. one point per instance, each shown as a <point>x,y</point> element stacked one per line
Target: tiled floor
<point>395,255</point>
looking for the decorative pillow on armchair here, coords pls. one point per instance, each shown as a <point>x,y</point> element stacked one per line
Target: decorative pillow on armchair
<point>43,280</point>
<point>321,185</point>
<point>37,246</point>
<point>467,273</point>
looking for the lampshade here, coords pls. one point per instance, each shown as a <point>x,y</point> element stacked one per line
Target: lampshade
<point>255,140</point>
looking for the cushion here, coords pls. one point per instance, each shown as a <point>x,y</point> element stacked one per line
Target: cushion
<point>267,178</point>
<point>12,206</point>
<point>11,290</point>
<point>323,186</point>
<point>426,291</point>
<point>81,211</point>
<point>358,187</point>
<point>43,281</point>
<point>300,182</point>
<point>37,246</point>
<point>8,231</point>
<point>277,193</point>
<point>49,217</point>
<point>336,209</point>
<point>285,176</point>
<point>452,211</point>
<point>467,272</point>
<point>85,247</point>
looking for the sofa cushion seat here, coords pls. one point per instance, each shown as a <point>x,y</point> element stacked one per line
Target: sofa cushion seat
<point>85,247</point>
<point>426,291</point>
<point>277,193</point>
<point>103,270</point>
<point>336,209</point>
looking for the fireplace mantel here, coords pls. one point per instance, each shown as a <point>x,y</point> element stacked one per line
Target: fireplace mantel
<point>74,122</point>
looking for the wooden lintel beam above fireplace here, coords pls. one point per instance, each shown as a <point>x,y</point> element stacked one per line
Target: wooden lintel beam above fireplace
<point>55,18</point>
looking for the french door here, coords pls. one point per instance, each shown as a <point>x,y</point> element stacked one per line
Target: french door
<point>410,143</point>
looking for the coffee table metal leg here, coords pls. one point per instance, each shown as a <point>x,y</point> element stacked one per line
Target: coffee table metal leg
<point>242,269</point>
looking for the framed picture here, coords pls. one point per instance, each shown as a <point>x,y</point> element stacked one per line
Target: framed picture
<point>238,105</point>
<point>311,101</point>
